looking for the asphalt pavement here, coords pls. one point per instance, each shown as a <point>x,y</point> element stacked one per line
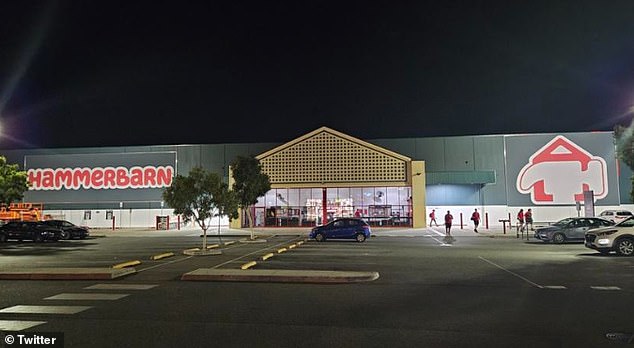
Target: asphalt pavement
<point>244,274</point>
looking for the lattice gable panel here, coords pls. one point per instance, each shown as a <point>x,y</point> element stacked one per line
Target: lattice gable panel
<point>326,158</point>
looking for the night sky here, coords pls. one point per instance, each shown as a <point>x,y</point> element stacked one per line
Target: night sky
<point>113,73</point>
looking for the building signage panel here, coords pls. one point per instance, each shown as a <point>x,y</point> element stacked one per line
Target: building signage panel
<point>557,169</point>
<point>78,178</point>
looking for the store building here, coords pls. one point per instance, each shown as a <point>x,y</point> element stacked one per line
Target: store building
<point>326,173</point>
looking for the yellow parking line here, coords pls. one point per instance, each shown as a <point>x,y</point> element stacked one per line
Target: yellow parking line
<point>213,246</point>
<point>192,249</point>
<point>248,265</point>
<point>267,256</point>
<point>127,264</point>
<point>161,256</point>
<point>300,243</point>
<point>229,243</point>
<point>279,251</point>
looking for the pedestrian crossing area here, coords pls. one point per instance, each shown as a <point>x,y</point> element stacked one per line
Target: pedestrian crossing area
<point>109,292</point>
<point>18,325</point>
<point>26,309</point>
<point>89,296</point>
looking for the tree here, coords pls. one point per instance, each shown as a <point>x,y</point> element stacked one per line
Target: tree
<point>198,196</point>
<point>13,182</point>
<point>249,184</point>
<point>625,149</point>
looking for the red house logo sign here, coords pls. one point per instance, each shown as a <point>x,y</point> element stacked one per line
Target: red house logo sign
<point>559,172</point>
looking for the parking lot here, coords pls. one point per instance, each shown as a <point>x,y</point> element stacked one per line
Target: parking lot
<point>476,290</point>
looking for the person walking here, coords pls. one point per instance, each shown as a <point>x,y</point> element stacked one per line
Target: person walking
<point>448,222</point>
<point>528,217</point>
<point>520,220</point>
<point>475,217</point>
<point>432,217</point>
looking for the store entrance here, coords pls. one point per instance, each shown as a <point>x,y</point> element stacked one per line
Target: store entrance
<point>307,207</point>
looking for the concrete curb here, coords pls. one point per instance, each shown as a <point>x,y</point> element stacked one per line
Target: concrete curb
<point>126,264</point>
<point>161,256</point>
<point>66,273</point>
<point>279,276</point>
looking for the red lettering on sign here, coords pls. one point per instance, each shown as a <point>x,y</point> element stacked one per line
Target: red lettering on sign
<point>108,180</point>
<point>100,178</point>
<point>123,180</point>
<point>149,174</point>
<point>63,177</point>
<point>96,178</point>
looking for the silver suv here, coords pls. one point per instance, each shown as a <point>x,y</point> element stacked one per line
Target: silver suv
<point>615,216</point>
<point>619,238</point>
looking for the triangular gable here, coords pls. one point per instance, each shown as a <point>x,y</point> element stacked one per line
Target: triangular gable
<point>328,156</point>
<point>561,149</point>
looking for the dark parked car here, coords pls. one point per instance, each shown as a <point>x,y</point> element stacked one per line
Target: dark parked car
<point>28,230</point>
<point>68,230</point>
<point>342,228</point>
<point>570,229</point>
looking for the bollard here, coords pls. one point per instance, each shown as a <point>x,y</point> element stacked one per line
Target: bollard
<point>113,223</point>
<point>486,220</point>
<point>461,225</point>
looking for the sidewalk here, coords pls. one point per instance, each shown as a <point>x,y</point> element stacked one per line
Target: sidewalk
<point>456,231</point>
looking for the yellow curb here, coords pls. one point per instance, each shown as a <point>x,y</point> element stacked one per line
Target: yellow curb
<point>300,242</point>
<point>248,265</point>
<point>126,264</point>
<point>229,243</point>
<point>161,256</point>
<point>267,256</point>
<point>213,246</point>
<point>192,249</point>
<point>279,251</point>
<point>292,246</point>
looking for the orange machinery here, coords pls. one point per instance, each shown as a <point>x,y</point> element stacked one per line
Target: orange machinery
<point>21,211</point>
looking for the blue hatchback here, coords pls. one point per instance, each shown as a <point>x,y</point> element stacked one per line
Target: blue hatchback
<point>342,228</point>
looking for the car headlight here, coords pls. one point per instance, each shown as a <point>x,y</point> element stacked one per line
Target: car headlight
<point>607,233</point>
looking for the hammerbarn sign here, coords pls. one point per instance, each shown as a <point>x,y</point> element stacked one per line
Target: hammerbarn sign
<point>99,177</point>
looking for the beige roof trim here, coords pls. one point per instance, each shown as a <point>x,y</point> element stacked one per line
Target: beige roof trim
<point>337,134</point>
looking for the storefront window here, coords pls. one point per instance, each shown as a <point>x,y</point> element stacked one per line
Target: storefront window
<point>379,206</point>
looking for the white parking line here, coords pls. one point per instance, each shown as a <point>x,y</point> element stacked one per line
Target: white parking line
<point>550,287</point>
<point>608,288</point>
<point>86,296</point>
<point>27,309</point>
<point>255,252</point>
<point>437,232</point>
<point>18,325</point>
<point>120,286</point>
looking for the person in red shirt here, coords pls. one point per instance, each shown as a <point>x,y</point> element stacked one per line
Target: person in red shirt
<point>475,217</point>
<point>432,217</point>
<point>448,222</point>
<point>528,216</point>
<point>520,220</point>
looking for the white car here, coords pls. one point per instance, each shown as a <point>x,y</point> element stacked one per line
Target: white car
<point>615,216</point>
<point>618,238</point>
